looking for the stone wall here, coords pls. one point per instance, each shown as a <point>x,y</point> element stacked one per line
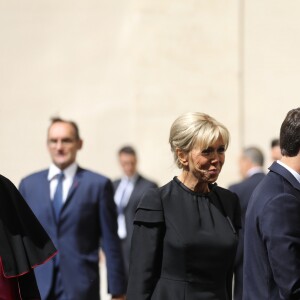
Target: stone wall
<point>124,70</point>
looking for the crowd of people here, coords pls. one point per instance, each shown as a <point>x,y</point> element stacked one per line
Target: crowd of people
<point>188,239</point>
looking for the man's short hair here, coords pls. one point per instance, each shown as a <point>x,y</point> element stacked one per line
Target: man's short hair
<point>274,143</point>
<point>255,155</point>
<point>72,123</point>
<point>290,133</point>
<point>127,150</point>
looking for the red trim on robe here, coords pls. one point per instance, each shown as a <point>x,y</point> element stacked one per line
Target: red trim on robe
<point>23,273</point>
<point>9,287</point>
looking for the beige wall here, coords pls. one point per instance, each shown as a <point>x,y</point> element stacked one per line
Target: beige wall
<point>124,70</point>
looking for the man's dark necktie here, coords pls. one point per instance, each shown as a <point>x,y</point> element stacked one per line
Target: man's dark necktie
<point>57,205</point>
<point>58,195</point>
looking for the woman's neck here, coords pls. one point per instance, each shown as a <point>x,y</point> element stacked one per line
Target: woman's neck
<point>193,183</point>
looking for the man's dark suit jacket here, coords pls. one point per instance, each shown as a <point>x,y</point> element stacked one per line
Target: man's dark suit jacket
<point>244,191</point>
<point>88,214</point>
<point>272,238</point>
<point>141,185</point>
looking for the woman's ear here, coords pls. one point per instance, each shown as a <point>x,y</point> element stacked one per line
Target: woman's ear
<point>182,157</point>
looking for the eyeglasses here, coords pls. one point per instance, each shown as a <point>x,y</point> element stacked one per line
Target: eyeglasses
<point>63,142</point>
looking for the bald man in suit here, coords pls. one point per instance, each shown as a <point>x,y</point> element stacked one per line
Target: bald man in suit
<point>76,208</point>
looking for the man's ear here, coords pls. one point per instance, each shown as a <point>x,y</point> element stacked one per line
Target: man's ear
<point>182,157</point>
<point>80,143</point>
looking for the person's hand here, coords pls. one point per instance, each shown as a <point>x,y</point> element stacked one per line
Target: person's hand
<point>118,297</point>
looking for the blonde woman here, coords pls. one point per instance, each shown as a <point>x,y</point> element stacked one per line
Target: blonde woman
<point>186,232</point>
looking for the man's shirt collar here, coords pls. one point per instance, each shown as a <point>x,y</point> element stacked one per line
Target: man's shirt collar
<point>294,173</point>
<point>254,170</point>
<point>69,172</point>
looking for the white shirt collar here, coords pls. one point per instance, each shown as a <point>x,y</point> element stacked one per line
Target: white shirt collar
<point>254,170</point>
<point>131,179</point>
<point>69,172</point>
<point>294,173</point>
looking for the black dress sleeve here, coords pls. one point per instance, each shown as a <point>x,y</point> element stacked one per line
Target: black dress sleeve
<point>146,247</point>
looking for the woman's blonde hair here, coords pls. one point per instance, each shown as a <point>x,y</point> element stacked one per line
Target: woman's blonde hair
<point>195,128</point>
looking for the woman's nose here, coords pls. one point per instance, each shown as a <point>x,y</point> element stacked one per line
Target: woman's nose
<point>215,156</point>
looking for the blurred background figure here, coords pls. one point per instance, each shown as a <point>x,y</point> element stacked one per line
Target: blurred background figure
<point>128,191</point>
<point>76,207</point>
<point>275,150</point>
<point>251,169</point>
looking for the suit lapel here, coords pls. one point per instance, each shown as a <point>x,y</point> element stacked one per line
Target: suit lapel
<point>134,193</point>
<point>116,184</point>
<point>135,188</point>
<point>45,186</point>
<point>44,207</point>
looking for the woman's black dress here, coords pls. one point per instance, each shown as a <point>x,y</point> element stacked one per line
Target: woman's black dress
<point>184,244</point>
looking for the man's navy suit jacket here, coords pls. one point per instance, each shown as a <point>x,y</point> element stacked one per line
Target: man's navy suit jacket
<point>88,215</point>
<point>141,186</point>
<point>272,238</point>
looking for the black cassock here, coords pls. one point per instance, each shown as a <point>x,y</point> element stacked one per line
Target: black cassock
<point>24,244</point>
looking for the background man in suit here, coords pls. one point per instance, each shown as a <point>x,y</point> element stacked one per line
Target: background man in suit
<point>76,208</point>
<point>272,232</point>
<point>275,150</point>
<point>251,169</point>
<point>128,192</point>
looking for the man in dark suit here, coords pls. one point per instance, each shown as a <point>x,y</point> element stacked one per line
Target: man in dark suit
<point>128,192</point>
<point>272,231</point>
<point>76,208</point>
<point>251,169</point>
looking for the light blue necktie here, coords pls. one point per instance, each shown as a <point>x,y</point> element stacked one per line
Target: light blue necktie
<point>58,195</point>
<point>121,204</point>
